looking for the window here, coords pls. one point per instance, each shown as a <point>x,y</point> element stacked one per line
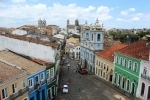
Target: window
<point>98,37</point>
<point>5,93</point>
<point>48,74</point>
<point>36,79</point>
<point>125,62</point>
<point>107,68</point>
<point>14,88</point>
<point>77,48</point>
<point>87,36</point>
<point>52,72</point>
<point>121,61</point>
<point>104,66</point>
<point>96,62</point>
<point>92,37</point>
<point>99,63</point>
<point>30,82</point>
<point>135,67</point>
<point>145,71</point>
<point>117,59</point>
<point>130,65</point>
<point>42,76</point>
<point>23,84</point>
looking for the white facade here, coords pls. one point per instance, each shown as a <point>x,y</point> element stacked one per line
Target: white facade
<point>77,52</point>
<point>144,81</point>
<point>34,50</point>
<point>19,32</point>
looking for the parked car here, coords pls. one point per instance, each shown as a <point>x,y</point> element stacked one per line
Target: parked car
<point>65,89</point>
<point>68,65</point>
<point>82,71</point>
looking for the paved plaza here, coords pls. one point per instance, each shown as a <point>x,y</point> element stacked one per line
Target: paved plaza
<point>85,87</point>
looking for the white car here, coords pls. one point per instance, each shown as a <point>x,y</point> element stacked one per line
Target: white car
<point>65,89</point>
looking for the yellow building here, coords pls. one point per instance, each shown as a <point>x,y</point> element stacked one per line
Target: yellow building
<point>104,65</point>
<point>72,40</point>
<point>13,82</point>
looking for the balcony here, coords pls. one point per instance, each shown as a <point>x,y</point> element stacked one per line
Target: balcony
<point>144,76</point>
<point>18,94</point>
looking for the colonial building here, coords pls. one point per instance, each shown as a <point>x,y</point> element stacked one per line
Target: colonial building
<point>92,39</point>
<point>104,65</point>
<point>73,28</point>
<point>127,66</point>
<point>144,80</point>
<point>13,82</point>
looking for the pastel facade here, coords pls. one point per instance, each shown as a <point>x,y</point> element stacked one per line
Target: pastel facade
<point>127,66</point>
<point>92,39</point>
<point>13,82</point>
<point>36,74</point>
<point>104,65</point>
<point>144,81</point>
<point>72,40</point>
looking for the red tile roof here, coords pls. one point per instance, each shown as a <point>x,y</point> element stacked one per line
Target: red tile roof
<point>137,50</point>
<point>109,52</point>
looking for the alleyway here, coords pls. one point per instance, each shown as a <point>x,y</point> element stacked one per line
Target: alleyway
<point>85,87</point>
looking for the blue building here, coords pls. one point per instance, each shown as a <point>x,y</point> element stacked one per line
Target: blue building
<point>92,40</point>
<point>37,86</point>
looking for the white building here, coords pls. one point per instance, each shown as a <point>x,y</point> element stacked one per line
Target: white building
<point>19,32</point>
<point>144,81</point>
<point>74,52</point>
<point>29,46</point>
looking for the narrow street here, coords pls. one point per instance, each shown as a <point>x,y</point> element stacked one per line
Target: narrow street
<point>85,87</point>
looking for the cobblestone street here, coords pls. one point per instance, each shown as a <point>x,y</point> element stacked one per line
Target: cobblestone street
<point>85,87</point>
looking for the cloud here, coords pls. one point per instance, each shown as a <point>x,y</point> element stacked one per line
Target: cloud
<point>135,18</point>
<point>139,14</point>
<point>131,9</point>
<point>55,14</point>
<point>125,12</point>
<point>18,1</point>
<point>122,20</point>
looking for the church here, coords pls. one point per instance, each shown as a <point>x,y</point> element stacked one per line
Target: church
<point>92,40</point>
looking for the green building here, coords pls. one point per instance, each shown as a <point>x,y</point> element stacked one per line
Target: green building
<point>127,66</point>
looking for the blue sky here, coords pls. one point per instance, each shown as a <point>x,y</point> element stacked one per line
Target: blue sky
<point>112,13</point>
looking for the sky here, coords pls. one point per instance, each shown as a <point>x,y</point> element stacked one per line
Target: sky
<point>112,13</point>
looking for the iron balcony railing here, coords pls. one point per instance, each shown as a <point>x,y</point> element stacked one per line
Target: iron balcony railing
<point>145,77</point>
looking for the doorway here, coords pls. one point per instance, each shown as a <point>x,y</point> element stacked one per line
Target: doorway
<point>142,89</point>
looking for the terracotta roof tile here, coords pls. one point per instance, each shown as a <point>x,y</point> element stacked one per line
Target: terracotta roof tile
<point>8,72</point>
<point>54,45</point>
<point>137,50</point>
<point>109,52</point>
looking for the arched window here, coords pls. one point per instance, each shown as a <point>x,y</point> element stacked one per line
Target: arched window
<point>135,67</point>
<point>121,62</point>
<point>87,36</point>
<point>125,62</point>
<point>117,59</point>
<point>98,37</point>
<point>142,89</point>
<point>145,71</point>
<point>130,65</point>
<point>92,37</point>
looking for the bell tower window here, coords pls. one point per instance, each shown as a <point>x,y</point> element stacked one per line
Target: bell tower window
<point>87,36</point>
<point>98,37</point>
<point>92,37</point>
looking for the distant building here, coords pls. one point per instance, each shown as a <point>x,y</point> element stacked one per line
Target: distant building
<point>73,28</point>
<point>41,23</point>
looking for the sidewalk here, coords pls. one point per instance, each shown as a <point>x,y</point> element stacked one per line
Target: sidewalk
<point>115,88</point>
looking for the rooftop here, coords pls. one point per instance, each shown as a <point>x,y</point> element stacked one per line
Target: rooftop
<point>139,50</point>
<point>109,52</point>
<point>29,39</point>
<point>31,65</point>
<point>8,72</point>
